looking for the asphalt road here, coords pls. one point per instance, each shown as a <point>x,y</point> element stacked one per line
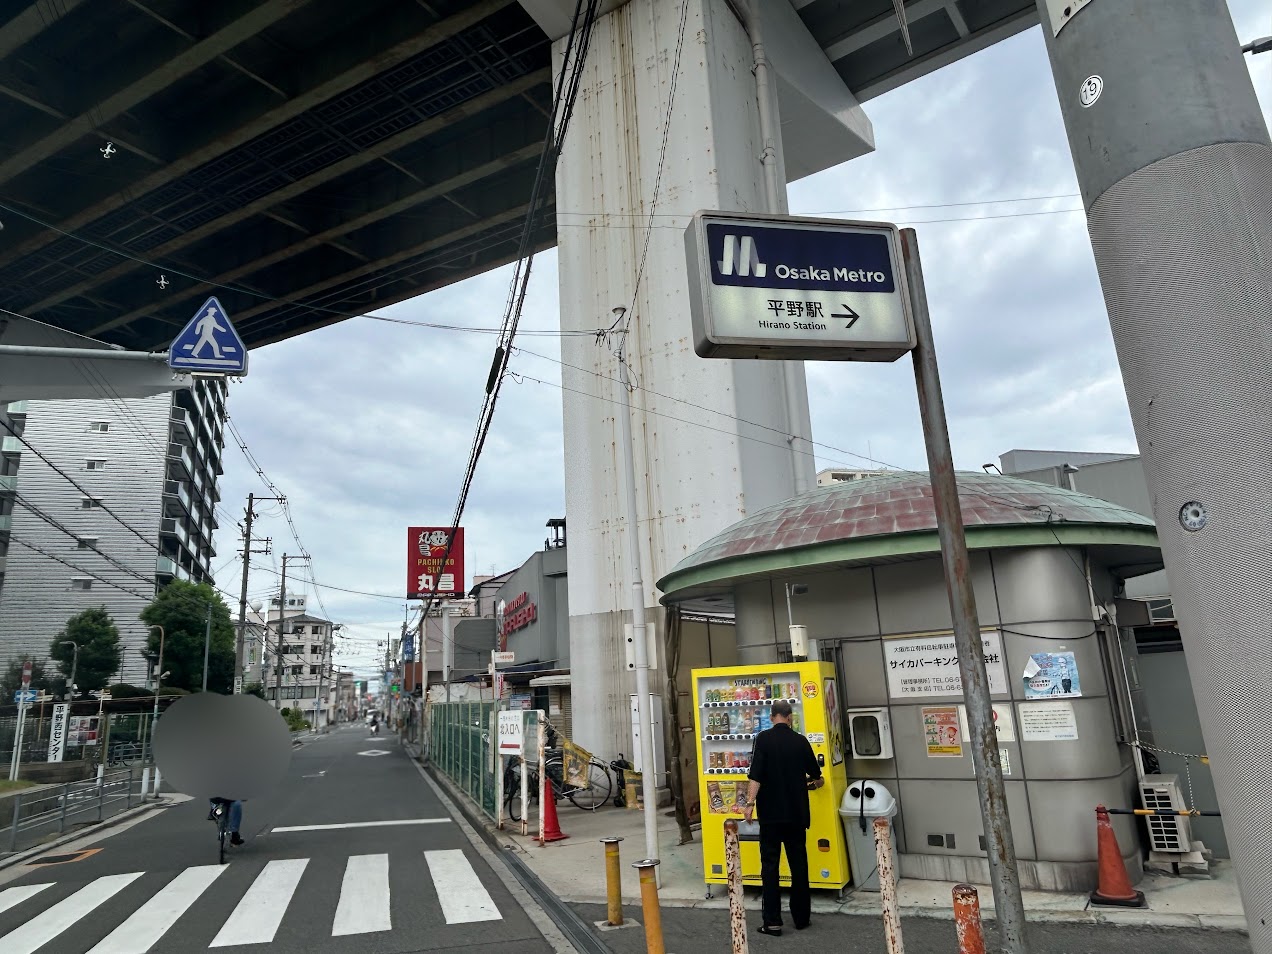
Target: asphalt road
<point>339,883</point>
<point>698,931</point>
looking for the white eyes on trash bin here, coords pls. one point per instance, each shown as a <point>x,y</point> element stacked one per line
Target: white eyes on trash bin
<point>855,792</point>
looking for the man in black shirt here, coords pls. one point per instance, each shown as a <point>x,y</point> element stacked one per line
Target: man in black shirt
<point>783,771</point>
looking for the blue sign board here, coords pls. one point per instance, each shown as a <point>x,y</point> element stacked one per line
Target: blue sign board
<point>786,288</point>
<point>25,695</point>
<point>209,344</point>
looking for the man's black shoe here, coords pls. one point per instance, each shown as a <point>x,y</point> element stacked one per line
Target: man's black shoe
<point>235,839</point>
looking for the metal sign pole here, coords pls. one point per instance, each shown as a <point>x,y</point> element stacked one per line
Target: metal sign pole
<point>967,638</point>
<point>15,762</point>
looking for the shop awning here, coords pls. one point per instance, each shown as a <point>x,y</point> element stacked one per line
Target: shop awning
<point>558,679</point>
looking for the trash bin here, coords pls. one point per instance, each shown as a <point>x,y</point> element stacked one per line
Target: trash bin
<point>863,802</point>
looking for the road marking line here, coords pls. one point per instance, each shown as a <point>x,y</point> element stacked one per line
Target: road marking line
<point>44,927</point>
<point>11,896</point>
<point>368,824</point>
<point>463,897</point>
<point>256,918</point>
<point>364,897</point>
<point>151,921</point>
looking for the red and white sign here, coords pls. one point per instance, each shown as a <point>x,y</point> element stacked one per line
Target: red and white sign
<point>429,566</point>
<point>518,614</point>
<point>26,674</point>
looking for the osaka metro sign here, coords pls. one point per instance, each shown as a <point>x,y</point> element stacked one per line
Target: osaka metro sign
<point>782,287</point>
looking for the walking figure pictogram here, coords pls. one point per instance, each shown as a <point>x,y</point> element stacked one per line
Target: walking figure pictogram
<point>207,329</point>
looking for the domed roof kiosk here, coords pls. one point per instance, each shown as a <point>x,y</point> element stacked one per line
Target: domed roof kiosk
<point>1048,566</point>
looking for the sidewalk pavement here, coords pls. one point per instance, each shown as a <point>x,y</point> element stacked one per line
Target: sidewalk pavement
<point>574,870</point>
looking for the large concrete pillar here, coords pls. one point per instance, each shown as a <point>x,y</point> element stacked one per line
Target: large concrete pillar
<point>1175,167</point>
<point>696,471</point>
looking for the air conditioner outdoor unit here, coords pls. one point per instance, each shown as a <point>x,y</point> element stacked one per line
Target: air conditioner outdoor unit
<point>1170,834</point>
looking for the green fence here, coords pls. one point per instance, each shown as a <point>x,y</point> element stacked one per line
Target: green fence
<point>461,739</point>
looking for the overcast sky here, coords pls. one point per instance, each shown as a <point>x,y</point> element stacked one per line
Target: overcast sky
<point>366,425</point>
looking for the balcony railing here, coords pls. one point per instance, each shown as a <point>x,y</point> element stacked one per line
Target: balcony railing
<point>165,566</point>
<point>8,484</point>
<point>177,528</point>
<point>176,489</point>
<point>10,445</point>
<point>181,461</point>
<point>181,430</point>
<point>6,522</point>
<point>18,407</point>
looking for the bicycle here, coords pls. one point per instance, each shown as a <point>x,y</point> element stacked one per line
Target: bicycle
<point>588,797</point>
<point>221,815</point>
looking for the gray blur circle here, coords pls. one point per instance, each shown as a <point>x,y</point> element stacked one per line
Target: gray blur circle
<point>210,745</point>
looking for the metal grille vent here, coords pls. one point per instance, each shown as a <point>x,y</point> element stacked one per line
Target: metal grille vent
<point>1167,833</point>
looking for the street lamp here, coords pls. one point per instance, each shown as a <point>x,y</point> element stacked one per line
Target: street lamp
<point>70,687</point>
<point>159,674</point>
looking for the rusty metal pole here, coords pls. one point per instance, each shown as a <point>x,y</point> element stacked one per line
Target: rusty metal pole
<point>1008,904</point>
<point>967,920</point>
<point>733,865</point>
<point>888,887</point>
<point>649,905</point>
<point>613,883</point>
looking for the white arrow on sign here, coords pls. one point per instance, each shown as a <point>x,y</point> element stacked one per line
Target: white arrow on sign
<point>374,752</point>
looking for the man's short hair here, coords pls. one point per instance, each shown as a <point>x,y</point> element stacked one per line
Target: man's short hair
<point>782,708</point>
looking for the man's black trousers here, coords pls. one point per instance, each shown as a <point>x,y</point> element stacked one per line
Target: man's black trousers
<point>774,836</point>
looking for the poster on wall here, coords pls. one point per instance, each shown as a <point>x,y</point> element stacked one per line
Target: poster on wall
<point>1052,676</point>
<point>832,722</point>
<point>1004,726</point>
<point>1048,722</point>
<point>928,665</point>
<point>942,731</point>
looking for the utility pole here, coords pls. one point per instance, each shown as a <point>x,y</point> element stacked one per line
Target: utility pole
<point>635,577</point>
<point>282,605</point>
<point>207,643</point>
<point>240,647</point>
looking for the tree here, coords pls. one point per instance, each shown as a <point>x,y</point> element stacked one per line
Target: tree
<point>180,608</point>
<point>256,689</point>
<point>99,652</point>
<point>12,680</point>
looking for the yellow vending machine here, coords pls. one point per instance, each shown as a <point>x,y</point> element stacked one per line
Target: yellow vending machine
<point>732,707</point>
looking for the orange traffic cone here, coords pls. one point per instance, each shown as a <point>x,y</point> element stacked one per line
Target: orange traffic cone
<point>1115,884</point>
<point>551,827</point>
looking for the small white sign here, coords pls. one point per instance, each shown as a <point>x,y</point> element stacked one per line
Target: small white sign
<point>504,659</point>
<point>1004,726</point>
<point>511,740</point>
<point>1048,722</point>
<point>928,665</point>
<point>1004,759</point>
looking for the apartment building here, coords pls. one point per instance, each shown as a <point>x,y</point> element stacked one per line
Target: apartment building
<point>308,679</point>
<point>102,502</point>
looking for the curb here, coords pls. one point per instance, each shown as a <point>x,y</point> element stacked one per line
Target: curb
<point>26,855</point>
<point>1167,921</point>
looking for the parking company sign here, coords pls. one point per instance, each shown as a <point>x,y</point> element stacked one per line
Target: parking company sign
<point>796,288</point>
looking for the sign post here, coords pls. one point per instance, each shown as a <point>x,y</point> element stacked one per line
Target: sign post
<point>786,288</point>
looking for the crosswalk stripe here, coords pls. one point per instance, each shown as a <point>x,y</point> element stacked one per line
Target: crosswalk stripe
<point>11,896</point>
<point>151,921</point>
<point>41,929</point>
<point>364,897</point>
<point>256,919</point>
<point>462,895</point>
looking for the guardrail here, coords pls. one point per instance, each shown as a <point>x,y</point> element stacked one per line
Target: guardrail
<point>54,809</point>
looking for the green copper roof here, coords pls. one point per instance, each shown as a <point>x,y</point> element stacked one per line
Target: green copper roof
<point>891,516</point>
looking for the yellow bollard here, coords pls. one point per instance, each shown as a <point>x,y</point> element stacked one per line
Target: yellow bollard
<point>613,883</point>
<point>649,905</point>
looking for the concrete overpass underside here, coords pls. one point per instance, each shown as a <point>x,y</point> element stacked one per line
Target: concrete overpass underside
<point>310,160</point>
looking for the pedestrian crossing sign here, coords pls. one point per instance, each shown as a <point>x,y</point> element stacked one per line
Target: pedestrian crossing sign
<point>209,344</point>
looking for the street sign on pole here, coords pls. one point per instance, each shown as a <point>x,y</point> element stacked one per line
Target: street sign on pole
<point>21,696</point>
<point>209,344</point>
<point>504,658</point>
<point>763,286</point>
<point>57,731</point>
<point>26,674</point>
<point>510,732</point>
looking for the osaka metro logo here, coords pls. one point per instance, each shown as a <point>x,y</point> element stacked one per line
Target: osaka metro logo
<point>740,253</point>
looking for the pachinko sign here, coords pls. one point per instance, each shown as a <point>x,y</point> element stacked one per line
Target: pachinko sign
<point>429,566</point>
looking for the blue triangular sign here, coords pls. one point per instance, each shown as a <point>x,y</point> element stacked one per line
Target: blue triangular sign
<point>209,343</point>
